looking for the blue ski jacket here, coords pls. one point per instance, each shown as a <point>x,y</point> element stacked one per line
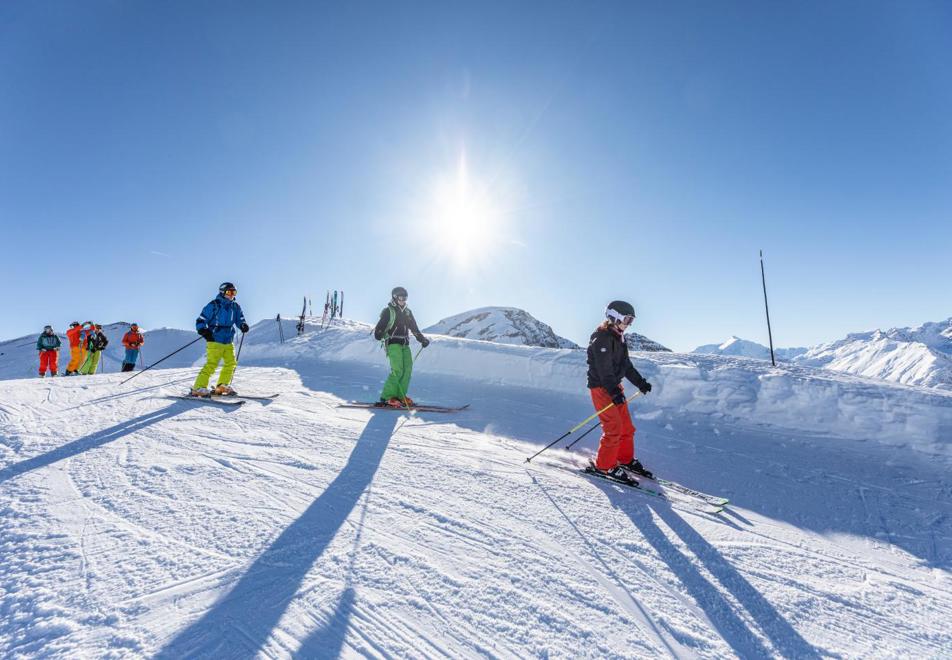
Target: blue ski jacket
<point>221,316</point>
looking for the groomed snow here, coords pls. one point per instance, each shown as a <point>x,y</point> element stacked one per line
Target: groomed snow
<point>137,525</point>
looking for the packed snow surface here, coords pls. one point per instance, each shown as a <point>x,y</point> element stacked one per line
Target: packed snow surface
<point>134,524</point>
<point>503,325</point>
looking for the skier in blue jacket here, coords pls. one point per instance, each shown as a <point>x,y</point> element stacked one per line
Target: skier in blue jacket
<point>217,324</point>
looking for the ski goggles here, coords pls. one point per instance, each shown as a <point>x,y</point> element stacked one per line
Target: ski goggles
<point>626,319</point>
<point>233,292</point>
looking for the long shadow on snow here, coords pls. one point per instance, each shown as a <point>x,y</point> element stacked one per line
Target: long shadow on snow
<point>823,484</point>
<point>239,624</point>
<point>719,610</point>
<point>91,441</point>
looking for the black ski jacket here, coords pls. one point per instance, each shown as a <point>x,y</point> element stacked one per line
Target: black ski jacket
<point>608,362</point>
<point>96,341</point>
<point>403,325</point>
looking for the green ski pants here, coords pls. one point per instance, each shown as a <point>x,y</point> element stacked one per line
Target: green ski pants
<point>92,361</point>
<point>215,353</point>
<point>401,368</point>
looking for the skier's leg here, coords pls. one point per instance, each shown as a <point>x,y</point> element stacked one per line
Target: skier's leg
<point>87,362</point>
<point>607,456</point>
<point>626,447</point>
<point>94,358</point>
<point>74,359</point>
<point>44,362</point>
<point>228,370</point>
<point>391,388</point>
<point>54,362</point>
<point>212,358</point>
<point>407,356</point>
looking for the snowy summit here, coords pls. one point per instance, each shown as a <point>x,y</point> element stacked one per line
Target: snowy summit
<point>502,325</point>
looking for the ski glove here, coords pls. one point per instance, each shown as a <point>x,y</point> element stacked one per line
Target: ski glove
<point>207,334</point>
<point>619,399</point>
<point>424,342</point>
<point>645,387</point>
<point>244,327</point>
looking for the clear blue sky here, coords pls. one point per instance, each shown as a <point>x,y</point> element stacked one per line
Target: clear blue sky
<point>550,156</point>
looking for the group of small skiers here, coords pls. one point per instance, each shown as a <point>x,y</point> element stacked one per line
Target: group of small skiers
<point>608,365</point>
<point>86,344</point>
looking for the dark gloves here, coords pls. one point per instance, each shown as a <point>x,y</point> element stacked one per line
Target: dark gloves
<point>207,334</point>
<point>645,387</point>
<point>244,327</point>
<point>424,342</point>
<point>619,399</point>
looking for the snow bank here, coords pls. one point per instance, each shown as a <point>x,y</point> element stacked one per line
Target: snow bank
<point>737,389</point>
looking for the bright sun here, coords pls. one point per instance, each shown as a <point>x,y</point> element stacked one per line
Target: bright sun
<point>463,220</point>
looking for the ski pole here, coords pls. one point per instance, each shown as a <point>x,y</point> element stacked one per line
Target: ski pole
<point>578,426</point>
<point>597,424</point>
<point>162,360</point>
<point>240,343</point>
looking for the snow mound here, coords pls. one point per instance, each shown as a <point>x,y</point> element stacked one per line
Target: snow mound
<point>749,392</point>
<point>501,325</point>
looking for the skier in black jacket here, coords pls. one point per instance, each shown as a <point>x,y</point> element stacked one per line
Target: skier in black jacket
<point>608,364</point>
<point>393,329</point>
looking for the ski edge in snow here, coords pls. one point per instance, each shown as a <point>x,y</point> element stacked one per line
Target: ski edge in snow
<point>418,408</point>
<point>205,399</point>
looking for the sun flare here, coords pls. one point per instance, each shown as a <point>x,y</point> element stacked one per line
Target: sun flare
<point>464,219</point>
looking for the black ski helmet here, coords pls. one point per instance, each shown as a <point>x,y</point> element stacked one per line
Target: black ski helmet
<point>227,286</point>
<point>399,291</point>
<point>74,324</point>
<point>619,309</point>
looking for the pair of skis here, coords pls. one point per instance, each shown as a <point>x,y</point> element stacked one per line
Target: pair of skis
<point>228,400</point>
<point>671,491</point>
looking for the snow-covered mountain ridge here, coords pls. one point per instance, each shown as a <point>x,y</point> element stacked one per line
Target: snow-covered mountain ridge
<point>502,325</point>
<point>920,355</point>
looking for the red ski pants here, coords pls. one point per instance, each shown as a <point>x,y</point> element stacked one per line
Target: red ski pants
<point>618,433</point>
<point>48,360</point>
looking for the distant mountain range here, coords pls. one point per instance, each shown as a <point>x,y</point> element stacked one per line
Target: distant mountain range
<point>919,355</point>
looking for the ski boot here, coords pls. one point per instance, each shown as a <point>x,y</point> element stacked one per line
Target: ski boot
<point>637,469</point>
<point>409,402</point>
<point>618,473</point>
<point>224,390</point>
<point>394,402</point>
<point>200,392</point>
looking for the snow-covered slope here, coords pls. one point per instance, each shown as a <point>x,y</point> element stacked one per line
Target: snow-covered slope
<point>18,357</point>
<point>914,356</point>
<point>502,325</point>
<point>737,347</point>
<point>137,525</point>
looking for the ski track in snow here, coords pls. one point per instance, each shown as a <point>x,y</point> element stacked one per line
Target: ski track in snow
<point>135,526</point>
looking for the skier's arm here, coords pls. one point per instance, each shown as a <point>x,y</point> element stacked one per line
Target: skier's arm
<point>242,324</point>
<point>637,379</point>
<point>105,341</point>
<point>602,361</point>
<point>381,326</point>
<point>39,343</point>
<point>201,323</point>
<point>416,331</point>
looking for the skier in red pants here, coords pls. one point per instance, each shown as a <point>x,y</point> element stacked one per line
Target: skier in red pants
<point>48,344</point>
<point>608,364</point>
